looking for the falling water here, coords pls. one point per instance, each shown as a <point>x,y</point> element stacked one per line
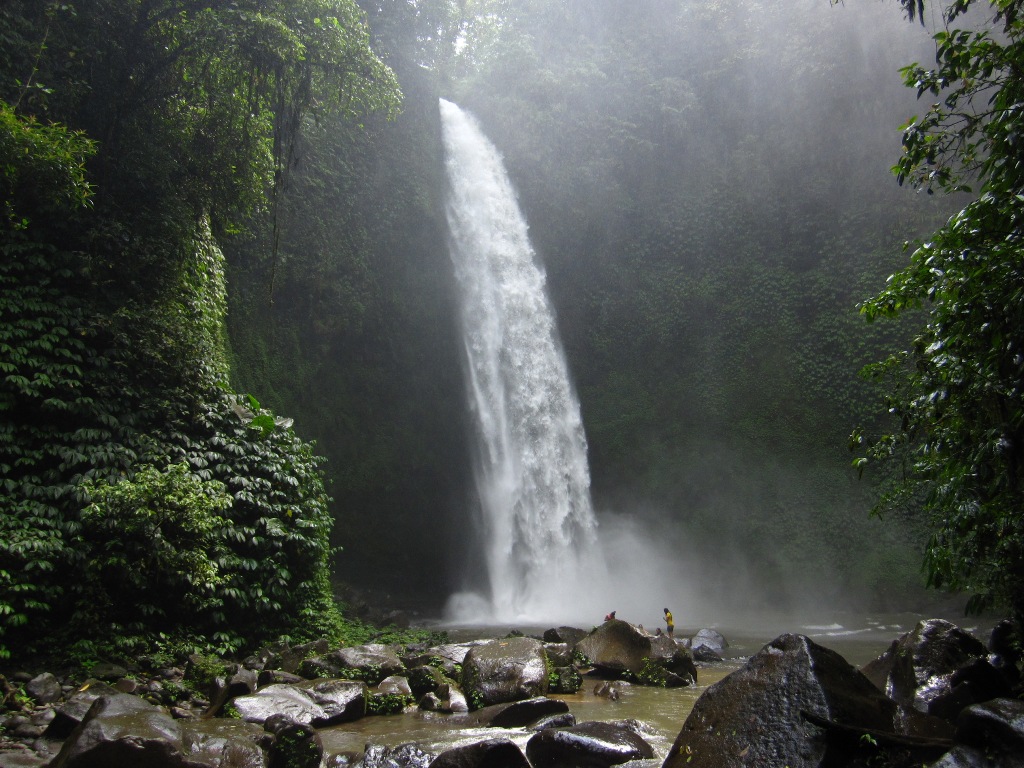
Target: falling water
<point>538,526</point>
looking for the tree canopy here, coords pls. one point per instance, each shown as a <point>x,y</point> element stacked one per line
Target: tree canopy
<point>957,393</point>
<point>132,134</point>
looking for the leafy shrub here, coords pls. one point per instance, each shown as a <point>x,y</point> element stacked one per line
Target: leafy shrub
<point>147,543</point>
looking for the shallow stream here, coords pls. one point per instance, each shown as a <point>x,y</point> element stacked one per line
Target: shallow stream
<point>660,710</point>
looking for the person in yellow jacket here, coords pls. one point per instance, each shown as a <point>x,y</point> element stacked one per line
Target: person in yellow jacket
<point>669,623</point>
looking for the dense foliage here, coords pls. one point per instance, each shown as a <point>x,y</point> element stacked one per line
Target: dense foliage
<point>121,442</point>
<point>958,391</point>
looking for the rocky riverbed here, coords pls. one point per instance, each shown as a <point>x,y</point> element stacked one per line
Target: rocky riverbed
<point>938,696</point>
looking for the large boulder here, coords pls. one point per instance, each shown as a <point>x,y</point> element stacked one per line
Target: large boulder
<point>402,756</point>
<point>711,639</point>
<point>568,635</point>
<point>517,714</point>
<point>938,669</point>
<point>122,731</point>
<point>370,663</point>
<point>616,647</point>
<point>995,727</point>
<point>73,710</point>
<point>761,714</point>
<point>490,753</point>
<point>504,670</point>
<point>316,702</point>
<point>590,744</point>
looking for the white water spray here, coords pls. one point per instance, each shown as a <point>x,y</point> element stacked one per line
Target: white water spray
<point>538,526</point>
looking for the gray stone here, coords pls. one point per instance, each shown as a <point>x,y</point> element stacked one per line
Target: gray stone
<point>122,731</point>
<point>316,702</point>
<point>44,688</point>
<point>504,670</point>
<point>708,638</point>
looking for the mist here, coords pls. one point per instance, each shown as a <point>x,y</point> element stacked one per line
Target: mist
<point>707,189</point>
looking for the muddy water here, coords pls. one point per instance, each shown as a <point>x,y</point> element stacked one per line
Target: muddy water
<point>661,711</point>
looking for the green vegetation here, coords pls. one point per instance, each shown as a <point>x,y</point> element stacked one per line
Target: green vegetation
<point>202,200</point>
<point>956,392</point>
<point>121,440</point>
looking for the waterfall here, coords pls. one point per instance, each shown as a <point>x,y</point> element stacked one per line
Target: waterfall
<point>538,530</point>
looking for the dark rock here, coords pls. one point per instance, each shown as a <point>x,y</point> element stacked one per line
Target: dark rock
<point>517,714</point>
<point>121,731</point>
<point>879,669</point>
<point>967,757</point>
<point>995,726</point>
<point>431,702</point>
<point>559,654</point>
<point>402,756</point>
<point>448,658</point>
<point>568,635</point>
<point>126,685</point>
<point>69,714</point>
<point>681,664</point>
<point>611,690</point>
<point>1004,655</point>
<point>491,753</point>
<point>44,688</point>
<point>563,720</point>
<point>706,655</point>
<point>242,682</point>
<point>272,676</point>
<point>565,680</point>
<point>295,745</point>
<point>288,659</point>
<point>590,744</point>
<point>423,679</point>
<point>924,663</point>
<point>223,743</point>
<point>504,670</point>
<point>616,647</point>
<point>756,715</point>
<point>105,670</point>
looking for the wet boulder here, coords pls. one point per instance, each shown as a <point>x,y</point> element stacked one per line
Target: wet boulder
<point>73,710</point>
<point>295,745</point>
<point>758,714</point>
<point>317,702</point>
<point>994,727</point>
<point>568,635</point>
<point>402,756</point>
<point>44,688</point>
<point>517,714</point>
<point>564,680</point>
<point>289,658</point>
<point>123,730</point>
<point>370,663</point>
<point>616,647</point>
<point>591,744</point>
<point>424,679</point>
<point>504,670</point>
<point>490,753</point>
<point>559,654</point>
<point>938,669</point>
